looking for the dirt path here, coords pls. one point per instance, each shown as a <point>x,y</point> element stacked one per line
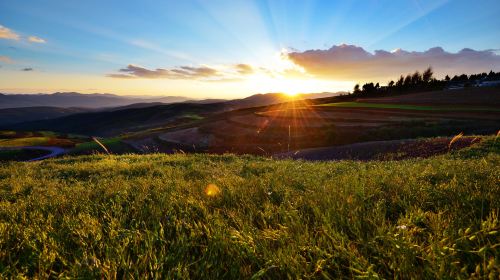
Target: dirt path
<point>382,150</point>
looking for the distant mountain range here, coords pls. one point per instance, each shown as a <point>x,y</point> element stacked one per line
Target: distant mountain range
<point>105,100</point>
<point>109,121</point>
<point>74,99</point>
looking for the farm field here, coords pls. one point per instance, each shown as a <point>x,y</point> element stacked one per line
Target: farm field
<point>468,96</point>
<point>409,107</point>
<point>113,145</point>
<point>228,217</point>
<point>295,126</point>
<point>41,138</point>
<point>25,145</point>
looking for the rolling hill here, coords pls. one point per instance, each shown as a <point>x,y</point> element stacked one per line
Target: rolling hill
<point>132,117</point>
<point>108,123</point>
<point>24,114</point>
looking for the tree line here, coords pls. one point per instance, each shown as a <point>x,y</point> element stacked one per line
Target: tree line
<point>424,81</point>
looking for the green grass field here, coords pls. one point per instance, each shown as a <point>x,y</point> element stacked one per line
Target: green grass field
<point>114,145</point>
<point>408,107</point>
<point>27,141</point>
<point>193,116</point>
<point>149,216</point>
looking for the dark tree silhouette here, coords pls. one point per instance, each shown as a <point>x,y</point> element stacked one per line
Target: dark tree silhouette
<point>427,75</point>
<point>416,78</point>
<point>356,89</point>
<point>407,81</point>
<point>400,82</point>
<point>417,82</point>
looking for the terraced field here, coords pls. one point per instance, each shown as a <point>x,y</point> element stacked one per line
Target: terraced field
<point>288,127</point>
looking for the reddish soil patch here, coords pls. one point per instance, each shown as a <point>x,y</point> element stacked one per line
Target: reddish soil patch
<point>189,137</point>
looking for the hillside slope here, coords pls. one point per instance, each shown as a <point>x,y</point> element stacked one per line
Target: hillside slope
<point>228,217</point>
<point>25,114</point>
<point>115,122</point>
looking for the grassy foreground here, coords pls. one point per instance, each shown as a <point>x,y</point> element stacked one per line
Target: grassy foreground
<point>149,216</point>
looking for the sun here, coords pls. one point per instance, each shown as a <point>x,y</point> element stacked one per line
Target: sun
<point>290,87</point>
<point>291,94</point>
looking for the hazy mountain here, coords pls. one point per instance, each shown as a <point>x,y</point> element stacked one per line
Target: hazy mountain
<point>274,98</point>
<point>104,100</point>
<point>74,99</point>
<point>206,101</point>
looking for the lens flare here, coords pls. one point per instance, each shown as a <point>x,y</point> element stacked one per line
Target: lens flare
<point>212,190</point>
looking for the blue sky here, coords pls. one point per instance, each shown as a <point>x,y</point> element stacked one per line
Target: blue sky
<point>91,39</point>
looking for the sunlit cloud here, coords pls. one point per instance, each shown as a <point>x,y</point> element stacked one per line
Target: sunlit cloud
<point>196,72</point>
<point>35,39</point>
<point>244,69</point>
<point>349,62</point>
<point>182,72</point>
<point>279,67</point>
<point>217,73</point>
<point>6,59</point>
<point>120,76</point>
<point>6,33</point>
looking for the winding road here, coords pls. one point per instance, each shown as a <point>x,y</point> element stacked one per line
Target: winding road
<point>53,151</point>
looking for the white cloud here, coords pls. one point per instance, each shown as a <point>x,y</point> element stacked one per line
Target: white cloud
<point>35,39</point>
<point>6,33</point>
<point>6,59</point>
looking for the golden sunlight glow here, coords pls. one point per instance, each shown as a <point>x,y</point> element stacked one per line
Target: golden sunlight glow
<point>290,86</point>
<point>284,76</point>
<point>277,74</point>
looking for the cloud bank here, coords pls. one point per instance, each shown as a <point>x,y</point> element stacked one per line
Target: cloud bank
<point>204,73</point>
<point>182,72</point>
<point>349,62</point>
<point>340,63</point>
